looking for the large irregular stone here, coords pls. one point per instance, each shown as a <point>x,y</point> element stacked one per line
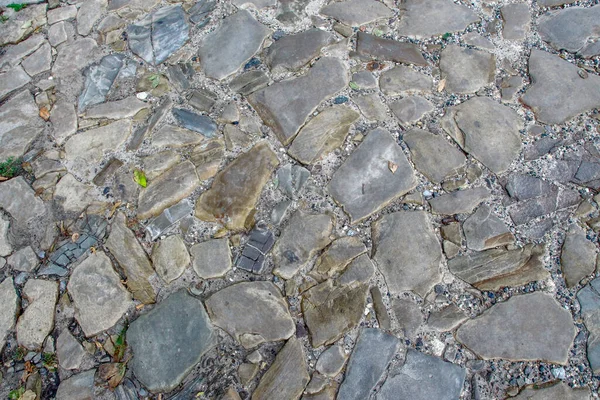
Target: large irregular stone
<point>235,190</point>
<point>423,19</point>
<point>487,130</point>
<point>403,79</point>
<point>326,77</point>
<point>74,56</point>
<point>20,125</point>
<point>72,195</point>
<point>578,256</point>
<point>170,258</point>
<point>516,19</point>
<point>19,200</point>
<point>22,24</point>
<point>38,319</point>
<point>64,120</point>
<point>118,109</point>
<point>356,12</point>
<point>484,230</point>
<point>168,189</point>
<point>575,29</point>
<point>527,327</point>
<point>337,256</point>
<point>132,258</point>
<point>424,377</point>
<point>365,183</point>
<point>169,341</point>
<point>99,79</point>
<point>433,156</point>
<point>99,297</point>
<point>459,202</point>
<point>251,312</point>
<point>331,361</point>
<point>211,259</point>
<point>159,34</point>
<point>589,301</point>
<point>176,137</point>
<point>77,387</point>
<point>466,70</point>
<point>390,50</point>
<point>88,14</point>
<point>292,52</point>
<point>553,79</point>
<point>8,313</point>
<point>304,236</point>
<point>231,45</point>
<point>559,391</point>
<point>69,351</point>
<point>410,109</point>
<point>12,80</point>
<point>407,252</point>
<point>288,375</point>
<point>373,352</point>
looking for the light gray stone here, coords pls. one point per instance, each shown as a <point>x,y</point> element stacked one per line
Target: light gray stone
<point>20,125</point>
<point>57,34</point>
<point>64,120</point>
<point>365,184</point>
<point>61,14</point>
<point>14,54</point>
<point>158,163</point>
<point>484,230</point>
<point>12,80</point>
<point>72,195</point>
<point>19,200</point>
<point>89,13</point>
<point>258,4</point>
<point>390,50</point>
<point>24,260</point>
<point>476,40</point>
<point>407,252</point>
<point>170,258</point>
<point>526,327</point>
<point>69,351</point>
<point>446,319</point>
<point>331,361</point>
<point>516,21</point>
<point>574,29</point>
<point>77,387</point>
<point>578,256</point>
<point>22,24</point>
<point>211,259</point>
<point>175,137</point>
<point>74,56</point>
<point>291,179</point>
<point>459,202</point>
<point>403,79</point>
<point>466,70</point>
<point>364,80</point>
<point>38,319</point>
<point>118,109</point>
<point>5,246</point>
<point>410,109</point>
<point>8,314</point>
<point>292,52</point>
<point>371,107</point>
<point>559,391</point>
<point>409,316</point>
<point>38,62</point>
<point>423,19</point>
<point>356,12</point>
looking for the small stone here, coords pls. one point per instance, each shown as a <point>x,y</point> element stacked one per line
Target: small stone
<point>410,109</point>
<point>69,351</point>
<point>12,80</point>
<point>466,70</point>
<point>168,217</point>
<point>235,137</point>
<point>64,120</point>
<point>390,50</point>
<point>8,312</point>
<point>371,107</point>
<point>38,62</point>
<point>24,260</point>
<point>422,20</point>
<point>483,230</point>
<point>403,79</point>
<point>99,79</point>
<point>578,256</point>
<point>446,319</point>
<point>259,4</point>
<point>74,56</point>
<point>195,122</point>
<point>72,195</point>
<point>253,255</point>
<point>211,259</point>
<point>77,387</point>
<point>291,179</point>
<point>331,361</point>
<point>88,14</point>
<point>175,137</point>
<point>452,232</point>
<point>409,316</point>
<point>559,391</point>
<point>231,394</point>
<point>317,384</point>
<point>38,319</point>
<point>292,52</point>
<point>476,40</point>
<point>61,14</point>
<point>247,372</point>
<point>15,54</point>
<point>459,202</point>
<point>170,258</point>
<point>119,109</point>
<point>364,80</point>
<point>356,12</point>
<point>516,21</point>
<point>5,247</point>
<point>249,82</point>
<point>230,113</point>
<point>207,158</point>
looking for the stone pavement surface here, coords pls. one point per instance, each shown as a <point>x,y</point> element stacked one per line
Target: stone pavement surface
<point>299,199</point>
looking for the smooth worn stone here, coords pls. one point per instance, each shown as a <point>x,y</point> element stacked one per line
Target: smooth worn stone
<point>77,387</point>
<point>371,107</point>
<point>235,41</point>
<point>125,248</point>
<point>359,271</point>
<point>235,137</point>
<point>409,316</point>
<point>432,155</point>
<point>337,256</point>
<point>169,341</point>
<point>99,297</point>
<point>476,40</point>
<point>424,377</point>
<point>88,14</point>
<point>12,80</point>
<point>422,19</point>
<point>373,352</point>
<point>20,125</point>
<point>159,34</point>
<point>69,351</point>
<point>452,232</point>
<point>466,70</point>
<point>410,109</point>
<point>207,158</point>
<point>484,230</point>
<point>292,52</point>
<point>403,79</point>
<point>24,260</point>
<point>589,301</point>
<point>253,255</point>
<point>356,12</point>
<point>526,327</point>
<point>249,82</point>
<point>57,34</point>
<point>407,252</point>
<point>38,319</point>
<point>487,130</point>
<point>61,14</point>
<point>304,236</point>
<point>383,317</point>
<point>22,24</point>
<point>16,53</point>
<point>251,312</point>
<point>364,80</point>
<point>446,319</point>
<point>578,256</point>
<point>119,109</point>
<point>317,384</point>
<point>247,372</point>
<point>331,361</point>
<point>168,217</point>
<point>524,187</point>
<point>73,57</point>
<point>72,195</point>
<point>497,268</point>
<point>389,50</point>
<point>574,29</point>
<point>291,179</point>
<point>175,137</point>
<point>287,377</point>
<point>168,189</point>
<point>459,202</point>
<point>202,100</point>
<point>170,258</point>
<point>325,78</point>
<point>552,80</point>
<point>365,183</point>
<point>516,21</point>
<point>322,134</point>
<point>19,200</point>
<point>231,394</point>
<point>211,259</point>
<point>198,123</point>
<point>99,79</point>
<point>5,246</point>
<point>64,120</point>
<point>559,391</point>
<point>38,62</point>
<point>8,312</point>
<point>231,203</point>
<point>156,164</point>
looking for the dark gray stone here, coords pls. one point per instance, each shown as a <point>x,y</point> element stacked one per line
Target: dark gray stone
<point>259,244</point>
<point>356,12</point>
<point>195,122</point>
<point>292,52</point>
<point>249,82</point>
<point>74,56</point>
<point>523,187</point>
<point>99,79</point>
<point>403,79</point>
<point>389,50</point>
<point>574,29</point>
<point>459,202</point>
<point>202,99</point>
<point>559,391</point>
<point>484,230</point>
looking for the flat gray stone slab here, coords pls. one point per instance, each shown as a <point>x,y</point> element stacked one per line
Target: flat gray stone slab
<point>77,387</point>
<point>365,184</point>
<point>389,50</point>
<point>526,327</point>
<point>371,107</point>
<point>331,361</point>
<point>574,29</point>
<point>99,79</point>
<point>175,137</point>
<point>225,50</point>
<point>589,301</point>
<point>410,109</point>
<point>466,70</point>
<point>404,79</point>
<point>37,321</point>
<point>356,12</point>
<point>19,200</point>
<point>211,259</point>
<point>118,109</point>
<point>20,125</point>
<point>487,130</point>
<point>560,391</point>
<point>12,80</point>
<point>74,56</point>
<point>8,313</point>
<point>517,19</point>
<point>422,19</point>
<point>22,24</point>
<point>170,258</point>
<point>325,78</point>
<point>69,351</point>
<point>578,256</point>
<point>198,123</point>
<point>424,377</point>
<point>484,230</point>
<point>169,341</point>
<point>553,80</point>
<point>407,252</point>
<point>89,13</point>
<point>459,202</point>
<point>292,52</point>
<point>337,256</point>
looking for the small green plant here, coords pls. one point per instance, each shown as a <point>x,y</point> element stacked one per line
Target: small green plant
<point>16,6</point>
<point>140,178</point>
<point>16,394</point>
<point>50,361</point>
<point>3,18</point>
<point>154,80</point>
<point>120,346</point>
<point>11,167</point>
<point>19,354</point>
<point>446,36</point>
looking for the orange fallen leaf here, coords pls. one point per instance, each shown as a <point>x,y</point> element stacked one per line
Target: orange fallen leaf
<point>44,113</point>
<point>112,373</point>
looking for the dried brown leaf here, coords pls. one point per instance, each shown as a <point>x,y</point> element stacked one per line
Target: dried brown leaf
<point>392,166</point>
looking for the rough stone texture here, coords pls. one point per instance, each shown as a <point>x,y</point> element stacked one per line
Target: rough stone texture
<point>424,377</point>
<point>559,391</point>
<point>251,312</point>
<point>410,109</point>
<point>326,77</point>
<point>22,24</point>
<point>331,361</point>
<point>38,62</point>
<point>99,297</point>
<point>578,256</point>
<point>249,82</point>
<point>169,341</point>
<point>574,29</point>
<point>5,246</point>
<point>211,259</point>
<point>304,236</point>
<point>61,14</point>
<point>170,258</point>
<point>24,259</point>
<point>231,45</point>
<point>356,12</point>
<point>74,56</point>
<point>372,353</point>
<point>322,134</point>
<point>525,327</point>
<point>407,252</point>
<point>195,122</point>
<point>337,256</point>
<point>288,375</point>
<point>459,202</point>
<point>72,195</point>
<point>423,19</point>
<point>403,79</point>
<point>466,70</point>
<point>389,50</point>
<point>484,230</point>
<point>38,319</point>
<point>589,301</point>
<point>8,313</point>
<point>69,351</point>
<point>12,80</point>
<point>371,107</point>
<point>118,109</point>
<point>486,130</point>
<point>175,137</point>
<point>552,80</point>
<point>408,314</point>
<point>292,52</point>
<point>18,199</point>
<point>364,184</point>
<point>228,201</point>
<point>446,319</point>
<point>64,120</point>
<point>253,255</point>
<point>516,21</point>
<point>77,387</point>
<point>132,258</point>
<point>99,79</point>
<point>20,125</point>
